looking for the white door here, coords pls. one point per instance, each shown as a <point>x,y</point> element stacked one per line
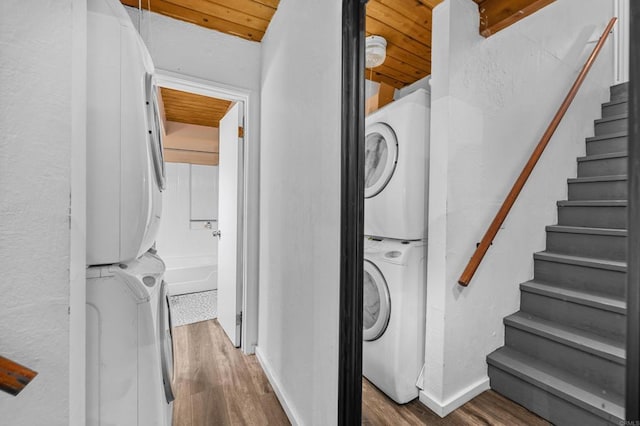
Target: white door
<point>229,210</point>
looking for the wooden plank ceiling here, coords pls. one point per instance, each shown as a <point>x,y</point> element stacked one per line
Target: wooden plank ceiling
<point>190,108</point>
<point>248,19</point>
<point>405,24</point>
<point>496,15</point>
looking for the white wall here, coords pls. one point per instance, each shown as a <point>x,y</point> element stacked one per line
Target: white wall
<point>41,120</point>
<point>210,55</point>
<point>175,238</point>
<point>300,207</point>
<point>491,101</point>
<point>621,41</point>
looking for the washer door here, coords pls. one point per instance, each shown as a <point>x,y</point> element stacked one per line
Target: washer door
<point>155,131</point>
<point>376,308</point>
<point>381,156</point>
<point>166,343</point>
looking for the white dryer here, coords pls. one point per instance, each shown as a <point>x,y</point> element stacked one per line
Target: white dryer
<point>129,347</point>
<point>125,168</point>
<point>396,168</point>
<point>394,316</point>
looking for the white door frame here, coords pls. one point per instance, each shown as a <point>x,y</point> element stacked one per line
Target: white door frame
<point>187,83</point>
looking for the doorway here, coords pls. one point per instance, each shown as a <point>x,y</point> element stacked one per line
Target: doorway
<point>225,207</point>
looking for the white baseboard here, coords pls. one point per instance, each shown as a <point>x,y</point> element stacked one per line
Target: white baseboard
<point>294,418</point>
<point>465,395</point>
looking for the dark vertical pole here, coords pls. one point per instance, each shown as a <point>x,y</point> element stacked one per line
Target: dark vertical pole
<point>633,261</point>
<point>351,214</point>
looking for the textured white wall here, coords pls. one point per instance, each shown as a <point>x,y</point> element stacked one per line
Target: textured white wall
<point>202,53</point>
<point>35,182</point>
<point>491,101</point>
<point>300,207</point>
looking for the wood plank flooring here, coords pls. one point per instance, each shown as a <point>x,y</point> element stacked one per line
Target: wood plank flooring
<point>217,385</point>
<point>488,408</point>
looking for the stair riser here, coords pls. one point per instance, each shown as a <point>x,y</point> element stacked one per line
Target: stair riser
<point>546,405</point>
<point>605,374</point>
<point>604,167</point>
<point>607,146</point>
<point>615,109</point>
<point>604,323</point>
<point>613,126</point>
<point>610,190</point>
<point>619,92</point>
<point>593,216</point>
<point>581,278</point>
<point>588,245</point>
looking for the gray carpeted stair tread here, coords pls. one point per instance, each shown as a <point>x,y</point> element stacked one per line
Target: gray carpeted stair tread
<point>559,383</point>
<point>606,303</point>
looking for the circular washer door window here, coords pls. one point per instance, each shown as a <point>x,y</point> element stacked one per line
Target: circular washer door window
<point>381,156</point>
<point>376,308</point>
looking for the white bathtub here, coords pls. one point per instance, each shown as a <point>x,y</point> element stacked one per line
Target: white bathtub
<point>191,274</point>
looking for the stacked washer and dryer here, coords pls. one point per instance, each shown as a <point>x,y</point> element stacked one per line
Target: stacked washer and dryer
<point>395,227</point>
<point>129,349</point>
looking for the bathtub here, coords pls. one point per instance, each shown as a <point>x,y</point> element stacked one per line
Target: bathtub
<point>191,274</point>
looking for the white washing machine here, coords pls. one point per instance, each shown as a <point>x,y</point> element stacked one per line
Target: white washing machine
<point>129,347</point>
<point>394,316</point>
<point>125,168</point>
<point>396,168</point>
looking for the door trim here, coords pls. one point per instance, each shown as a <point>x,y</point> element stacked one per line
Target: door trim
<point>191,84</point>
<point>351,214</point>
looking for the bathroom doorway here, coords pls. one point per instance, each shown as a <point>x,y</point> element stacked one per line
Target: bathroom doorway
<point>202,237</point>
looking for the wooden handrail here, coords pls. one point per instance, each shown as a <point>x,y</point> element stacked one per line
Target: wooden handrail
<point>483,246</point>
<point>13,376</point>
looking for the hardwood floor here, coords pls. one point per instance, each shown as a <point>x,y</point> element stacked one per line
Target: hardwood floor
<point>217,385</point>
<point>488,408</point>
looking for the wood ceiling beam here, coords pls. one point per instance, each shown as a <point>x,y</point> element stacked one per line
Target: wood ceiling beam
<point>430,3</point>
<point>496,15</point>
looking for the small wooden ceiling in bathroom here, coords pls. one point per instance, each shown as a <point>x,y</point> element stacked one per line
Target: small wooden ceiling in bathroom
<point>405,24</point>
<point>191,108</point>
<point>202,146</point>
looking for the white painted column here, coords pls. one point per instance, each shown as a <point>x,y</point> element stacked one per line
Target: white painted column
<point>621,42</point>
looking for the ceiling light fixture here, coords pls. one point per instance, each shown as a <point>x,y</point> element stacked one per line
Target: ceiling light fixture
<point>376,51</point>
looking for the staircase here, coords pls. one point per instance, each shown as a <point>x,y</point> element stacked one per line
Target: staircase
<point>564,353</point>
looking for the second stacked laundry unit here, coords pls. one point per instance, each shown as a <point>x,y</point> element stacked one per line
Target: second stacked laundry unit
<point>395,227</point>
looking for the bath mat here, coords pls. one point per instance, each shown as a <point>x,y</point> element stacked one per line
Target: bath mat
<point>193,307</point>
